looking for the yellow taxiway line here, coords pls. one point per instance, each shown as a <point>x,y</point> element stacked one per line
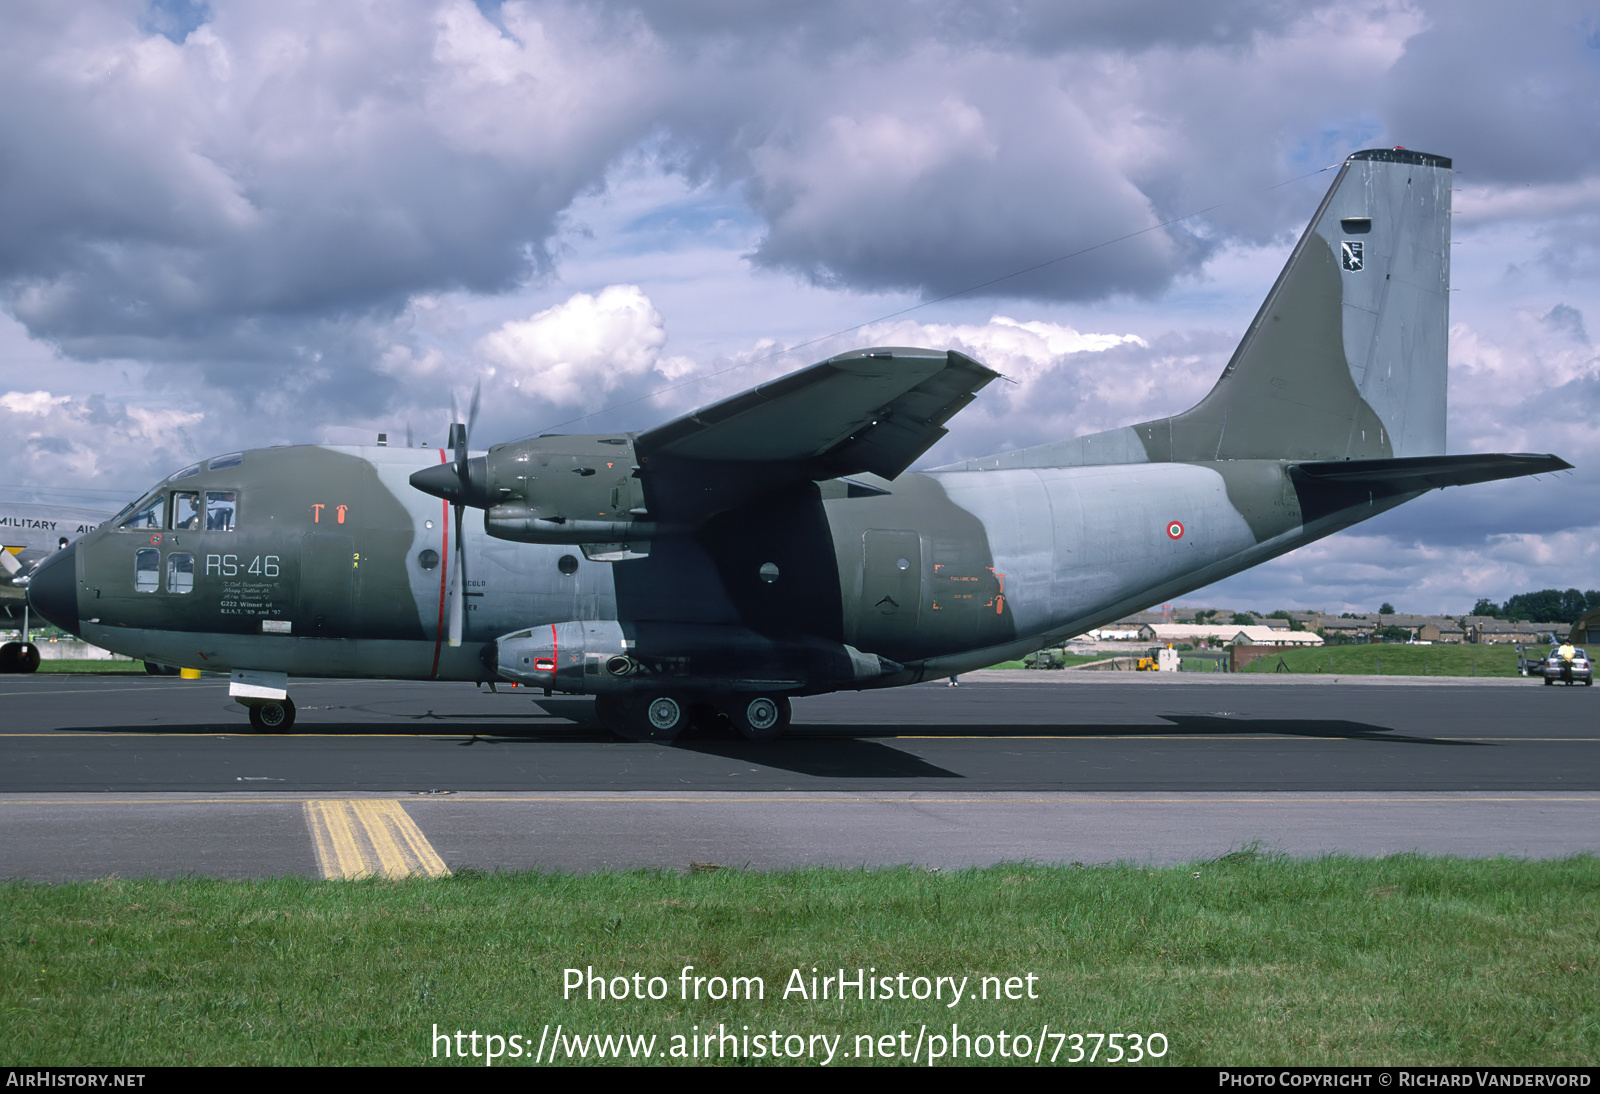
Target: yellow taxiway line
<point>356,838</point>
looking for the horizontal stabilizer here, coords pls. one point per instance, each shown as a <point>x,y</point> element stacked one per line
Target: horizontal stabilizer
<point>1418,473</point>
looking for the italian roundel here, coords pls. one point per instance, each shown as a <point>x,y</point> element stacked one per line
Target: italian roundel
<point>1175,529</point>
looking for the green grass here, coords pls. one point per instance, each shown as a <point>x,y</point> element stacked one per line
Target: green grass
<point>1246,960</point>
<point>1394,659</point>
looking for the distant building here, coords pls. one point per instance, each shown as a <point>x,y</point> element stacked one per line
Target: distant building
<point>1586,631</point>
<point>1200,634</point>
<point>1500,631</point>
<point>1423,628</point>
<point>1271,636</point>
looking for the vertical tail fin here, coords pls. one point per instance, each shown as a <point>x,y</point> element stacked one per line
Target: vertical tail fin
<point>1346,358</point>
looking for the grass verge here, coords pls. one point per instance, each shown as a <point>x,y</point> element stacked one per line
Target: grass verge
<point>1394,659</point>
<point>92,666</point>
<point>1249,959</point>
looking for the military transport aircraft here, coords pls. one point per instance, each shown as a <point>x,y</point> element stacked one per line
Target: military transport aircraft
<point>773,544</point>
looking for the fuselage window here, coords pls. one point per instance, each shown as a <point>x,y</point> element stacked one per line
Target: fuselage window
<point>180,572</point>
<point>185,511</point>
<point>147,515</point>
<point>146,570</point>
<point>221,506</point>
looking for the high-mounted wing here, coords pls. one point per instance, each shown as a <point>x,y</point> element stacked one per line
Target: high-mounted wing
<point>874,410</point>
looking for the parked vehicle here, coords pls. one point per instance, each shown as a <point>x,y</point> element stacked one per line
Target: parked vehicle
<point>1577,670</point>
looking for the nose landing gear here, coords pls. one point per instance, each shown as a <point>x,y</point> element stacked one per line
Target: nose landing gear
<point>272,716</point>
<point>266,696</point>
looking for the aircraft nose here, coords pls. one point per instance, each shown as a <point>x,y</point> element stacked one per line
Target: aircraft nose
<point>53,589</point>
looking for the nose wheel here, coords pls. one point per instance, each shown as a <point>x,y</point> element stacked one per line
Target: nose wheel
<point>272,716</point>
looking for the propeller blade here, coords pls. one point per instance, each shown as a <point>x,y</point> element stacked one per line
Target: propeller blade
<point>458,584</point>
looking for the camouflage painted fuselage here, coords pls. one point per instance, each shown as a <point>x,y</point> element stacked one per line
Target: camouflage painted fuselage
<point>334,565</point>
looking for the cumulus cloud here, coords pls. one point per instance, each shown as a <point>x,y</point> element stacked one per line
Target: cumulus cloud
<point>92,441</point>
<point>584,349</point>
<point>1538,391</point>
<point>1027,25</point>
<point>1060,382</point>
<point>292,159</point>
<point>943,196</point>
<point>1516,99</point>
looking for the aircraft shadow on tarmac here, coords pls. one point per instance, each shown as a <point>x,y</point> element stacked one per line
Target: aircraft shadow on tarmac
<point>841,751</point>
<point>574,721</point>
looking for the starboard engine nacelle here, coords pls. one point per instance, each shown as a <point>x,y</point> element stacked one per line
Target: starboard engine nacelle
<point>603,657</point>
<point>556,489</point>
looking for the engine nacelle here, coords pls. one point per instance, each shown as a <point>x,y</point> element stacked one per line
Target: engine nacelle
<point>603,657</point>
<point>580,489</point>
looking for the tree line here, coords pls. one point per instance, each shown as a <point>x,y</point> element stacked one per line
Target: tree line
<point>1544,606</point>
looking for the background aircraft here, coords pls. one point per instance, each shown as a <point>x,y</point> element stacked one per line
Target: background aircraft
<point>34,523</point>
<point>773,544</point>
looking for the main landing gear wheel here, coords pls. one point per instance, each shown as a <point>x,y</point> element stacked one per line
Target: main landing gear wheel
<point>272,716</point>
<point>660,717</point>
<point>760,717</point>
<point>644,717</point>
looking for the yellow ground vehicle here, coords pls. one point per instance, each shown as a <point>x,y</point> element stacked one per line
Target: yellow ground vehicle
<point>1158,659</point>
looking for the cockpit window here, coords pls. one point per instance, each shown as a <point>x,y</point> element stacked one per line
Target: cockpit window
<point>185,511</point>
<point>221,507</point>
<point>232,459</point>
<point>187,472</point>
<point>148,514</point>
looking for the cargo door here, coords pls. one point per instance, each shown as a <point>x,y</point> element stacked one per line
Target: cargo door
<point>888,614</point>
<point>330,571</point>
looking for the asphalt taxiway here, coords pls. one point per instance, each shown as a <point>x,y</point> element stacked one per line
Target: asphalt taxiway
<point>134,776</point>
